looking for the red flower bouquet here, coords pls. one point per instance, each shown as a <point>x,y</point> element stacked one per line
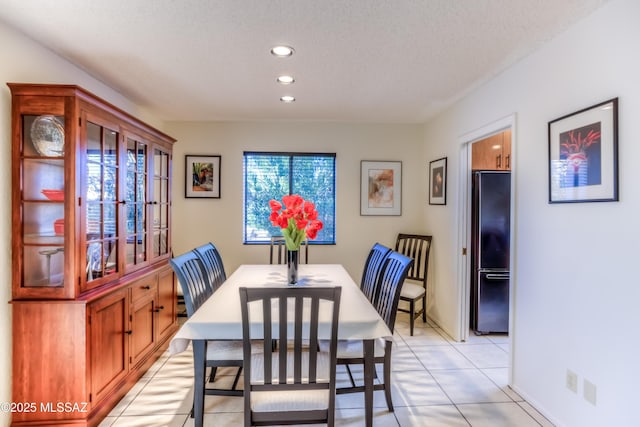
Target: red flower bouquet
<point>297,218</point>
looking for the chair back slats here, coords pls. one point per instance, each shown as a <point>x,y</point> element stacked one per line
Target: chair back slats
<point>282,336</point>
<point>297,344</point>
<point>313,338</point>
<point>416,247</point>
<point>372,268</point>
<point>268,339</point>
<point>278,251</point>
<point>193,280</point>
<point>297,363</point>
<point>212,261</point>
<point>394,272</point>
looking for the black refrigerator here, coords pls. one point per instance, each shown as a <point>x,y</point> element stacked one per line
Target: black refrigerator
<point>491,213</point>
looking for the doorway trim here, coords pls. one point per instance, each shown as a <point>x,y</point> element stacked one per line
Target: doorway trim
<point>464,224</point>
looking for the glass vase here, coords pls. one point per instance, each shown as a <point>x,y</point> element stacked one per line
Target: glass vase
<point>292,267</point>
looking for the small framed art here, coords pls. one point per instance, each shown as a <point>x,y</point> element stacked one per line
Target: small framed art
<point>583,155</point>
<point>380,188</point>
<point>438,182</point>
<point>202,177</point>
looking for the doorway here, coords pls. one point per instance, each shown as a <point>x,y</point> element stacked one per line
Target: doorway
<point>501,129</point>
<point>489,248</point>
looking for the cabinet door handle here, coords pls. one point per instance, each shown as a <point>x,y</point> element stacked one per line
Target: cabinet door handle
<point>157,310</point>
<point>129,332</point>
<point>146,287</point>
<point>123,202</point>
<point>498,160</point>
<point>507,161</point>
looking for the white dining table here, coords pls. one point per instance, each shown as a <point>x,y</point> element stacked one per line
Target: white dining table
<point>219,318</point>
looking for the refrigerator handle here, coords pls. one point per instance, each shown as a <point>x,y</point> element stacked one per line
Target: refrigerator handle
<point>496,276</point>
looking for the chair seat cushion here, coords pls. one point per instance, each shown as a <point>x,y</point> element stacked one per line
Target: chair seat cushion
<point>257,367</point>
<point>351,349</point>
<point>412,290</point>
<point>224,350</point>
<point>286,401</point>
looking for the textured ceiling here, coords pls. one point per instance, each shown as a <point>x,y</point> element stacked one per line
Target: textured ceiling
<point>356,60</point>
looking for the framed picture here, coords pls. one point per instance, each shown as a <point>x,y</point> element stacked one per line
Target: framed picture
<point>380,188</point>
<point>202,177</point>
<point>583,155</point>
<point>438,182</point>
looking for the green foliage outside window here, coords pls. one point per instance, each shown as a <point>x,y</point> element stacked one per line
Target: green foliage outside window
<point>270,176</point>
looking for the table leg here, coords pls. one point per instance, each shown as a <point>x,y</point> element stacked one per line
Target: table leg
<point>199,353</point>
<point>369,375</point>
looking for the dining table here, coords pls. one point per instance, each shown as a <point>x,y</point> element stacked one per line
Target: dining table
<point>219,318</point>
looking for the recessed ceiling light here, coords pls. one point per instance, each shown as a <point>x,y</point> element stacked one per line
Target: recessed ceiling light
<point>287,98</point>
<point>282,51</point>
<point>285,80</point>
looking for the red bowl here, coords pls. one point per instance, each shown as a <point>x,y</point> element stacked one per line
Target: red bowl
<point>55,195</point>
<point>58,227</point>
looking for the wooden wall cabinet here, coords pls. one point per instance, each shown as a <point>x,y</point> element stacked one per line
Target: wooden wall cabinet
<point>492,153</point>
<point>153,312</point>
<point>108,348</point>
<point>93,296</point>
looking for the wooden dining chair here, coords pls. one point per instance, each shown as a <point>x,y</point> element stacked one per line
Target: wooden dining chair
<point>196,287</point>
<point>295,384</point>
<point>213,265</point>
<point>389,284</point>
<point>416,247</point>
<point>372,268</point>
<point>278,251</point>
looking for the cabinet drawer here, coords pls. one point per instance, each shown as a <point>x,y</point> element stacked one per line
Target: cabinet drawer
<point>144,287</point>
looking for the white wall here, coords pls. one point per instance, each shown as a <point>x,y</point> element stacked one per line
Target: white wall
<point>575,281</point>
<point>27,62</point>
<point>196,221</point>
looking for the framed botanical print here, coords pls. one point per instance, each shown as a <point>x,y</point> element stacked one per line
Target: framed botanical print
<point>202,177</point>
<point>380,188</point>
<point>583,155</point>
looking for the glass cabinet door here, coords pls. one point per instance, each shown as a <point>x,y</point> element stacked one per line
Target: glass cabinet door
<point>42,201</point>
<point>101,196</point>
<point>161,202</point>
<point>90,195</point>
<point>136,203</point>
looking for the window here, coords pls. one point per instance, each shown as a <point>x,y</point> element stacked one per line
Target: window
<point>272,175</point>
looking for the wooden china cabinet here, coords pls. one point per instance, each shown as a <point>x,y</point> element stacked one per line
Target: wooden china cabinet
<point>93,295</point>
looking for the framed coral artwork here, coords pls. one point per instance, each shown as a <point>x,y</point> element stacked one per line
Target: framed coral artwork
<point>380,188</point>
<point>583,155</point>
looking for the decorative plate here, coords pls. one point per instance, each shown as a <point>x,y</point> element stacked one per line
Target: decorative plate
<point>47,134</point>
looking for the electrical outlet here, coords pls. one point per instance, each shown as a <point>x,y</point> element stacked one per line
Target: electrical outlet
<point>589,391</point>
<point>572,381</point>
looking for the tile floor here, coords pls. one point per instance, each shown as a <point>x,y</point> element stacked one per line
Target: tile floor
<point>436,382</point>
